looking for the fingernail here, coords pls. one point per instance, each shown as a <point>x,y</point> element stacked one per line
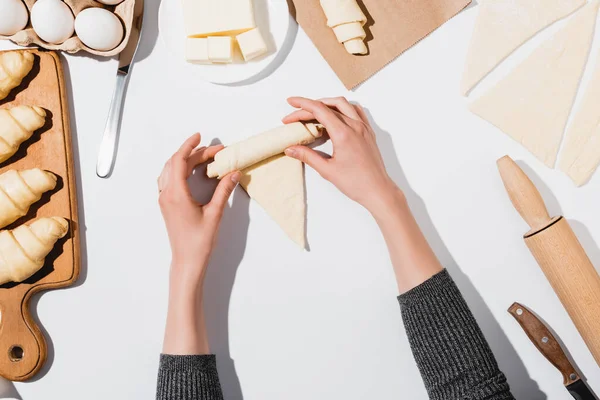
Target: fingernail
<point>235,177</point>
<point>291,152</point>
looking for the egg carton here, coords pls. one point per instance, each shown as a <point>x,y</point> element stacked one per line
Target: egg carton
<point>124,11</point>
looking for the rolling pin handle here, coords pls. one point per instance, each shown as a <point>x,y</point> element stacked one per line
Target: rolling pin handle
<point>523,194</point>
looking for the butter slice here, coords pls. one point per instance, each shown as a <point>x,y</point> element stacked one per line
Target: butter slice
<point>204,18</point>
<point>196,50</point>
<point>220,49</point>
<point>252,44</point>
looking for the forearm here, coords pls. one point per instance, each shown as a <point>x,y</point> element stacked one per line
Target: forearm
<point>187,371</point>
<point>451,352</point>
<point>185,331</point>
<point>412,258</point>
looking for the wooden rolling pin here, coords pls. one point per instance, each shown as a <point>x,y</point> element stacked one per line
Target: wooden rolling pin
<point>559,254</point>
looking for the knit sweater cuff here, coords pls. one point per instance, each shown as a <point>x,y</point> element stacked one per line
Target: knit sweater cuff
<point>188,377</point>
<point>451,352</point>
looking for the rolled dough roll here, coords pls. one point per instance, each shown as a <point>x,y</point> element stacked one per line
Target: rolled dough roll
<point>340,12</point>
<point>356,46</point>
<point>260,147</point>
<point>349,31</point>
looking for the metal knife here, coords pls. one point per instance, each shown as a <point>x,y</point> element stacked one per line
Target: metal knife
<point>108,147</point>
<point>547,344</point>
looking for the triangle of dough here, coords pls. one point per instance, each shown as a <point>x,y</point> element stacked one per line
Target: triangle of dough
<point>532,104</point>
<point>504,25</point>
<point>581,153</point>
<point>277,184</point>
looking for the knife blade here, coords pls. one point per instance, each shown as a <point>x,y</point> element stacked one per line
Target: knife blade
<point>546,343</point>
<point>108,146</point>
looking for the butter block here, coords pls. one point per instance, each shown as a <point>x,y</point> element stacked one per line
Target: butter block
<point>252,44</point>
<point>196,50</point>
<point>220,49</point>
<point>203,18</point>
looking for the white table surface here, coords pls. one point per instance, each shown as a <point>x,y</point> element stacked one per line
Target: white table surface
<point>323,324</point>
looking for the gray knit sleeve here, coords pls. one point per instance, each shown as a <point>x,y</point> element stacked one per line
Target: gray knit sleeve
<point>188,377</point>
<point>453,357</point>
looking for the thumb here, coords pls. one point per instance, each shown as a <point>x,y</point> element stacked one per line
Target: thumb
<point>308,156</point>
<point>223,191</point>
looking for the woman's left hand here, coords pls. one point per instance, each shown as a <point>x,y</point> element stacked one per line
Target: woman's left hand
<point>192,227</point>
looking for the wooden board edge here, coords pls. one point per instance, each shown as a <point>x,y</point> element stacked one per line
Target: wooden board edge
<point>74,226</point>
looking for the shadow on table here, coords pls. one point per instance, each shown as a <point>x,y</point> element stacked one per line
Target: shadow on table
<point>220,277</point>
<point>522,386</point>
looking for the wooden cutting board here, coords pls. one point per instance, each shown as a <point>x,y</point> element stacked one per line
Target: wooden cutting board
<point>22,345</point>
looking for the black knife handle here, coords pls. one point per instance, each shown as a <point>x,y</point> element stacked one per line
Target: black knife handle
<point>546,343</point>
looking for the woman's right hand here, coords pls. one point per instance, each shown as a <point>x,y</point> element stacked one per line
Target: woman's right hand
<point>356,167</point>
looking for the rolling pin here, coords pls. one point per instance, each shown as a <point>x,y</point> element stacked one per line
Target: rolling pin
<point>558,253</point>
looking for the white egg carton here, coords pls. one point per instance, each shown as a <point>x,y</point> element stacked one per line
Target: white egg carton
<point>124,11</point>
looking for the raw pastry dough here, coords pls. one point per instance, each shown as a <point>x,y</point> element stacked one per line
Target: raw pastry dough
<point>532,104</point>
<point>581,153</point>
<point>347,20</point>
<point>24,249</point>
<point>277,184</point>
<point>17,124</point>
<point>19,190</point>
<point>504,25</point>
<point>260,147</point>
<point>14,66</point>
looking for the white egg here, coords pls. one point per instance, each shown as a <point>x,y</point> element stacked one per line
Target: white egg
<point>111,2</point>
<point>13,16</point>
<point>52,20</point>
<point>99,29</point>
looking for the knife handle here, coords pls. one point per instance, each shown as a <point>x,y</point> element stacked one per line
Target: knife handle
<point>545,342</point>
<point>523,194</point>
<point>108,147</point>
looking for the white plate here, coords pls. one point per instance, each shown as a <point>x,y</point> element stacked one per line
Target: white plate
<point>272,17</point>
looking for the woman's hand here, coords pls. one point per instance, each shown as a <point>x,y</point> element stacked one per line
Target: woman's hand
<point>355,167</point>
<point>192,227</point>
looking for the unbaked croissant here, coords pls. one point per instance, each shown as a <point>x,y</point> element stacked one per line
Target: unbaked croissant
<point>346,19</point>
<point>24,249</point>
<point>14,66</point>
<point>19,190</point>
<point>17,124</point>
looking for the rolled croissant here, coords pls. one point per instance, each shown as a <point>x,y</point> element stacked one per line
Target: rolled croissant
<point>24,249</point>
<point>19,190</point>
<point>260,147</point>
<point>14,66</point>
<point>346,19</point>
<point>17,124</point>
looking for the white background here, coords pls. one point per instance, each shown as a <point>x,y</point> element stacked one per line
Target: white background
<point>323,324</point>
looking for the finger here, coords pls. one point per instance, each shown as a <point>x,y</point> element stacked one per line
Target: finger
<point>325,115</point>
<point>309,157</point>
<point>298,115</point>
<point>179,166</point>
<point>202,155</point>
<point>361,113</point>
<point>163,179</point>
<point>342,105</point>
<point>223,191</point>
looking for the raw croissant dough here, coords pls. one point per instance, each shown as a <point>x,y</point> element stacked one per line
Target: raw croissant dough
<point>504,25</point>
<point>277,184</point>
<point>347,20</point>
<point>24,249</point>
<point>14,66</point>
<point>533,103</point>
<point>581,153</point>
<point>17,124</point>
<point>274,180</point>
<point>260,147</point>
<point>19,190</point>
